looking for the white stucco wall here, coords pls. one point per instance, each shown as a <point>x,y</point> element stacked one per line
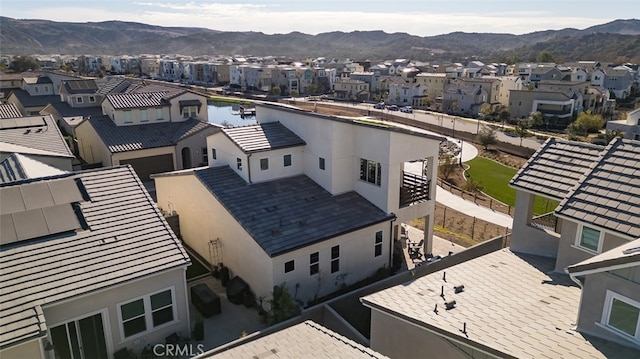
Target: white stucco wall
<point>227,153</point>
<point>176,114</point>
<point>108,300</point>
<point>90,146</point>
<point>276,164</point>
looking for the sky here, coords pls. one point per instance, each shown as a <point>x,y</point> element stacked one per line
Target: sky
<point>416,17</point>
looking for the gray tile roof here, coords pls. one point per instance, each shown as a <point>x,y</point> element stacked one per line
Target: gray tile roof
<point>608,196</point>
<point>290,213</point>
<point>33,134</point>
<point>127,239</point>
<point>169,91</point>
<point>108,85</point>
<point>304,340</point>
<point>556,167</point>
<point>9,110</point>
<point>18,167</point>
<point>137,100</point>
<point>627,254</point>
<point>511,307</point>
<point>263,137</point>
<point>151,135</point>
<point>27,100</point>
<point>66,110</point>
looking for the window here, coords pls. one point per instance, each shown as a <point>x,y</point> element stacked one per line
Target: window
<point>46,88</point>
<point>158,113</point>
<point>213,154</point>
<point>143,115</point>
<point>589,238</point>
<point>335,259</point>
<point>92,99</point>
<point>287,160</point>
<point>314,260</point>
<point>37,89</point>
<point>622,314</point>
<point>189,112</point>
<point>378,244</point>
<point>239,163</point>
<point>205,156</point>
<point>289,266</point>
<point>127,116</point>
<point>321,163</point>
<point>264,164</point>
<point>370,171</point>
<point>79,99</point>
<point>150,311</point>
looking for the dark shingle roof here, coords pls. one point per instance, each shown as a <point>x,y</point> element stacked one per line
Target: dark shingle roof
<point>80,86</point>
<point>290,213</point>
<point>556,167</point>
<point>34,134</point>
<point>608,196</point>
<point>9,110</point>
<point>27,100</point>
<point>263,137</point>
<point>138,137</point>
<point>66,110</point>
<point>137,100</point>
<point>108,85</point>
<point>127,239</point>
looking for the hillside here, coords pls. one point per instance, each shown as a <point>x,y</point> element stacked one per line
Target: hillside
<point>606,42</point>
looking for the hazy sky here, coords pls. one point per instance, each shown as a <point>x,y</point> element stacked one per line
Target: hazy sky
<point>417,17</point>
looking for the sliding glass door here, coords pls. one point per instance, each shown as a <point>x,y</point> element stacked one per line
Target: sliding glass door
<point>80,339</point>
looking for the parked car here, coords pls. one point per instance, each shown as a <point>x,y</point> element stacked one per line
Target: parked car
<point>379,105</point>
<point>406,109</point>
<point>392,108</point>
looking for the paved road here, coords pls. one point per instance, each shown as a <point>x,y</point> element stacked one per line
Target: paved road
<point>450,124</point>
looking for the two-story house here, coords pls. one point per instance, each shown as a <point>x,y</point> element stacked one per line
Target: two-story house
<point>154,128</point>
<point>303,199</point>
<point>629,126</point>
<point>463,99</point>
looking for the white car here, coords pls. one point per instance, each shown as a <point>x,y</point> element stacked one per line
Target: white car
<point>406,109</point>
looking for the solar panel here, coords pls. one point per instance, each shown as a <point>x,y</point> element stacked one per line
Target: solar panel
<point>21,122</point>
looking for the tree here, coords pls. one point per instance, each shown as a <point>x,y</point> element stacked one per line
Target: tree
<point>312,89</point>
<point>610,135</point>
<point>536,119</point>
<point>522,129</point>
<point>23,63</point>
<point>275,90</point>
<point>587,122</point>
<point>545,56</point>
<point>504,115</point>
<point>447,166</point>
<point>294,93</point>
<point>487,137</point>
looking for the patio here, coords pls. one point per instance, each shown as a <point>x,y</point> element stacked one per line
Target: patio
<point>414,253</point>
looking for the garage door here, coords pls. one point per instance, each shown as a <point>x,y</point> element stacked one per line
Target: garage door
<point>146,166</point>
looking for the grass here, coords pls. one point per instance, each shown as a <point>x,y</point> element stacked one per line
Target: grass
<point>228,100</point>
<point>495,178</point>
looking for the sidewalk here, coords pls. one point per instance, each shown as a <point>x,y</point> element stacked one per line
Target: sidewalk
<point>471,209</point>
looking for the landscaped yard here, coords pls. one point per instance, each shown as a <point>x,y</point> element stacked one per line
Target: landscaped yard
<point>495,178</point>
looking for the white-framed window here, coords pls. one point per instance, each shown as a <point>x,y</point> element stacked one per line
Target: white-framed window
<point>214,155</point>
<point>159,114</point>
<point>78,99</point>
<point>239,163</point>
<point>127,116</point>
<point>264,164</point>
<point>147,313</point>
<point>335,259</point>
<point>321,163</point>
<point>92,99</point>
<point>370,171</point>
<point>205,156</point>
<point>314,263</point>
<point>622,315</point>
<point>190,112</point>
<point>589,239</point>
<point>378,244</point>
<point>143,115</point>
<point>289,266</point>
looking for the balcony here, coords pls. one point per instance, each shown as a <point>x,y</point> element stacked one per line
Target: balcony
<point>546,221</point>
<point>415,189</point>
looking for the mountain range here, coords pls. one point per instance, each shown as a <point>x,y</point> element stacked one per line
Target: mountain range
<point>618,40</point>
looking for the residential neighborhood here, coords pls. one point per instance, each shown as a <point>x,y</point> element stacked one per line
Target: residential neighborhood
<point>342,216</point>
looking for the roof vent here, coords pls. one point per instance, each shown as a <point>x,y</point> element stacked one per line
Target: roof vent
<point>39,130</point>
<point>27,131</point>
<point>450,305</point>
<point>271,208</point>
<point>631,250</point>
<point>459,289</point>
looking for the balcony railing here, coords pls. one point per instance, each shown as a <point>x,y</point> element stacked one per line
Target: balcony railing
<point>415,189</point>
<point>546,221</point>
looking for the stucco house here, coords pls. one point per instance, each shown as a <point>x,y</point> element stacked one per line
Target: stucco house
<point>630,126</point>
<point>463,99</point>
<point>89,267</point>
<point>36,137</point>
<point>155,129</point>
<point>305,199</point>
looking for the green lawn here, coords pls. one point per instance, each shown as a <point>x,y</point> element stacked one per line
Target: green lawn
<point>495,178</point>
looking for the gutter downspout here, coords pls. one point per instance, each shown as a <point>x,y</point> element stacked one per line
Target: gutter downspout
<point>249,166</point>
<point>579,283</point>
<point>391,240</point>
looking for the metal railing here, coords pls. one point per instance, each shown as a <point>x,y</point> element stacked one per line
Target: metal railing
<point>415,189</point>
<point>546,221</point>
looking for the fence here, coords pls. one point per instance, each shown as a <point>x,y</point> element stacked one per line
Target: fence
<point>464,229</point>
<point>479,199</point>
